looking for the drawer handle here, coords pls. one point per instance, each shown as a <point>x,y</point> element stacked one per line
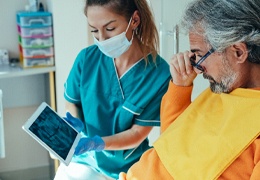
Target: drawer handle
<point>38,52</point>
<point>36,21</point>
<point>37,32</point>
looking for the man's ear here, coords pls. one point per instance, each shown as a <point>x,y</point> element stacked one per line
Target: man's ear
<point>240,52</point>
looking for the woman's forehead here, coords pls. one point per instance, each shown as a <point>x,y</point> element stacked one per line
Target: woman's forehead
<point>102,15</point>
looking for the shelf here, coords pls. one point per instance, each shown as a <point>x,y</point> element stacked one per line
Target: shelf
<point>28,86</point>
<point>8,71</point>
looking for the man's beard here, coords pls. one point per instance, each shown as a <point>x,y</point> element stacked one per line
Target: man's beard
<point>227,79</point>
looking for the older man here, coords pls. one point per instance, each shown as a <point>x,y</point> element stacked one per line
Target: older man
<point>217,135</point>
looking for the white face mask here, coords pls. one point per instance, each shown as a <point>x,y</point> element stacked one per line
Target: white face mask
<point>115,46</point>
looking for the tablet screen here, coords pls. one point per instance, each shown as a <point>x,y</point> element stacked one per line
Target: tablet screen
<point>46,126</point>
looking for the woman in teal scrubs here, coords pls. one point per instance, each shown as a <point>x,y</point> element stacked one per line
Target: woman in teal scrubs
<point>117,84</point>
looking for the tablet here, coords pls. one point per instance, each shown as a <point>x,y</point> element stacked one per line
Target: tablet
<point>53,133</point>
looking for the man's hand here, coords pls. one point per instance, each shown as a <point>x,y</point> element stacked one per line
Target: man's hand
<point>181,69</point>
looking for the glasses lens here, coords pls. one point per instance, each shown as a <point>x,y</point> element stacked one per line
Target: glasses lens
<point>194,64</point>
<point>199,67</point>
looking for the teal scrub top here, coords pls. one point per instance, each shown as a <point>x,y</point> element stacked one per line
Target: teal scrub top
<point>111,104</point>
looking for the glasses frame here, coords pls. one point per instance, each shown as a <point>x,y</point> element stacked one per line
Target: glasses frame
<point>197,65</point>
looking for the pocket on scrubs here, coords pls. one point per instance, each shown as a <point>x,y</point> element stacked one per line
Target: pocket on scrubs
<point>132,108</point>
<point>126,115</point>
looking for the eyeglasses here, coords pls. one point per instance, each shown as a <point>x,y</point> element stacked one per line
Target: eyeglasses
<point>197,65</point>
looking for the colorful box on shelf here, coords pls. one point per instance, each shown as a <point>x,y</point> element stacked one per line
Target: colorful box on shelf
<point>34,32</point>
<point>36,53</point>
<point>42,42</point>
<point>34,19</point>
<point>35,39</point>
<point>36,62</point>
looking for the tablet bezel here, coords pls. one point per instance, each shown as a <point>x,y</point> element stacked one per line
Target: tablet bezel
<point>35,116</point>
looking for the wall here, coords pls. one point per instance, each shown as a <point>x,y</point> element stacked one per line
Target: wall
<point>70,36</point>
<point>168,14</point>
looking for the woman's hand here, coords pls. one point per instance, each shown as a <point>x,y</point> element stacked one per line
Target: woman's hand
<point>86,144</point>
<point>74,122</point>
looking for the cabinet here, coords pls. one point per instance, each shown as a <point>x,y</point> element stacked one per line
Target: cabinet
<point>35,39</point>
<point>23,91</point>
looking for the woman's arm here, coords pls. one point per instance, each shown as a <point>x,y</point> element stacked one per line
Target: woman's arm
<point>128,139</point>
<point>74,110</point>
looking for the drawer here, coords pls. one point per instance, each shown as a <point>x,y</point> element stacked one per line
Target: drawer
<point>37,62</point>
<point>36,53</point>
<point>34,19</point>
<point>36,42</point>
<point>35,32</point>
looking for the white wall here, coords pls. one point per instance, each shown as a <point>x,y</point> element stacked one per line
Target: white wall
<point>70,36</point>
<point>8,35</point>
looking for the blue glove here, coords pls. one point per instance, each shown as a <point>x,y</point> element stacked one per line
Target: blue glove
<point>74,122</point>
<point>85,144</point>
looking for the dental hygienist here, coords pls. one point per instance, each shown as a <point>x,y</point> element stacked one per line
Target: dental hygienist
<point>117,84</point>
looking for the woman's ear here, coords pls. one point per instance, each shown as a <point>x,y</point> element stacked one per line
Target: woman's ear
<point>240,52</point>
<point>135,20</point>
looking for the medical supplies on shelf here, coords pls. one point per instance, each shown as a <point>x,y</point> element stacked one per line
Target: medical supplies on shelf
<point>4,56</point>
<point>36,45</point>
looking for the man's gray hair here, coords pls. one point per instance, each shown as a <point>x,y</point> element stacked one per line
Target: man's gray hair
<point>226,22</point>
